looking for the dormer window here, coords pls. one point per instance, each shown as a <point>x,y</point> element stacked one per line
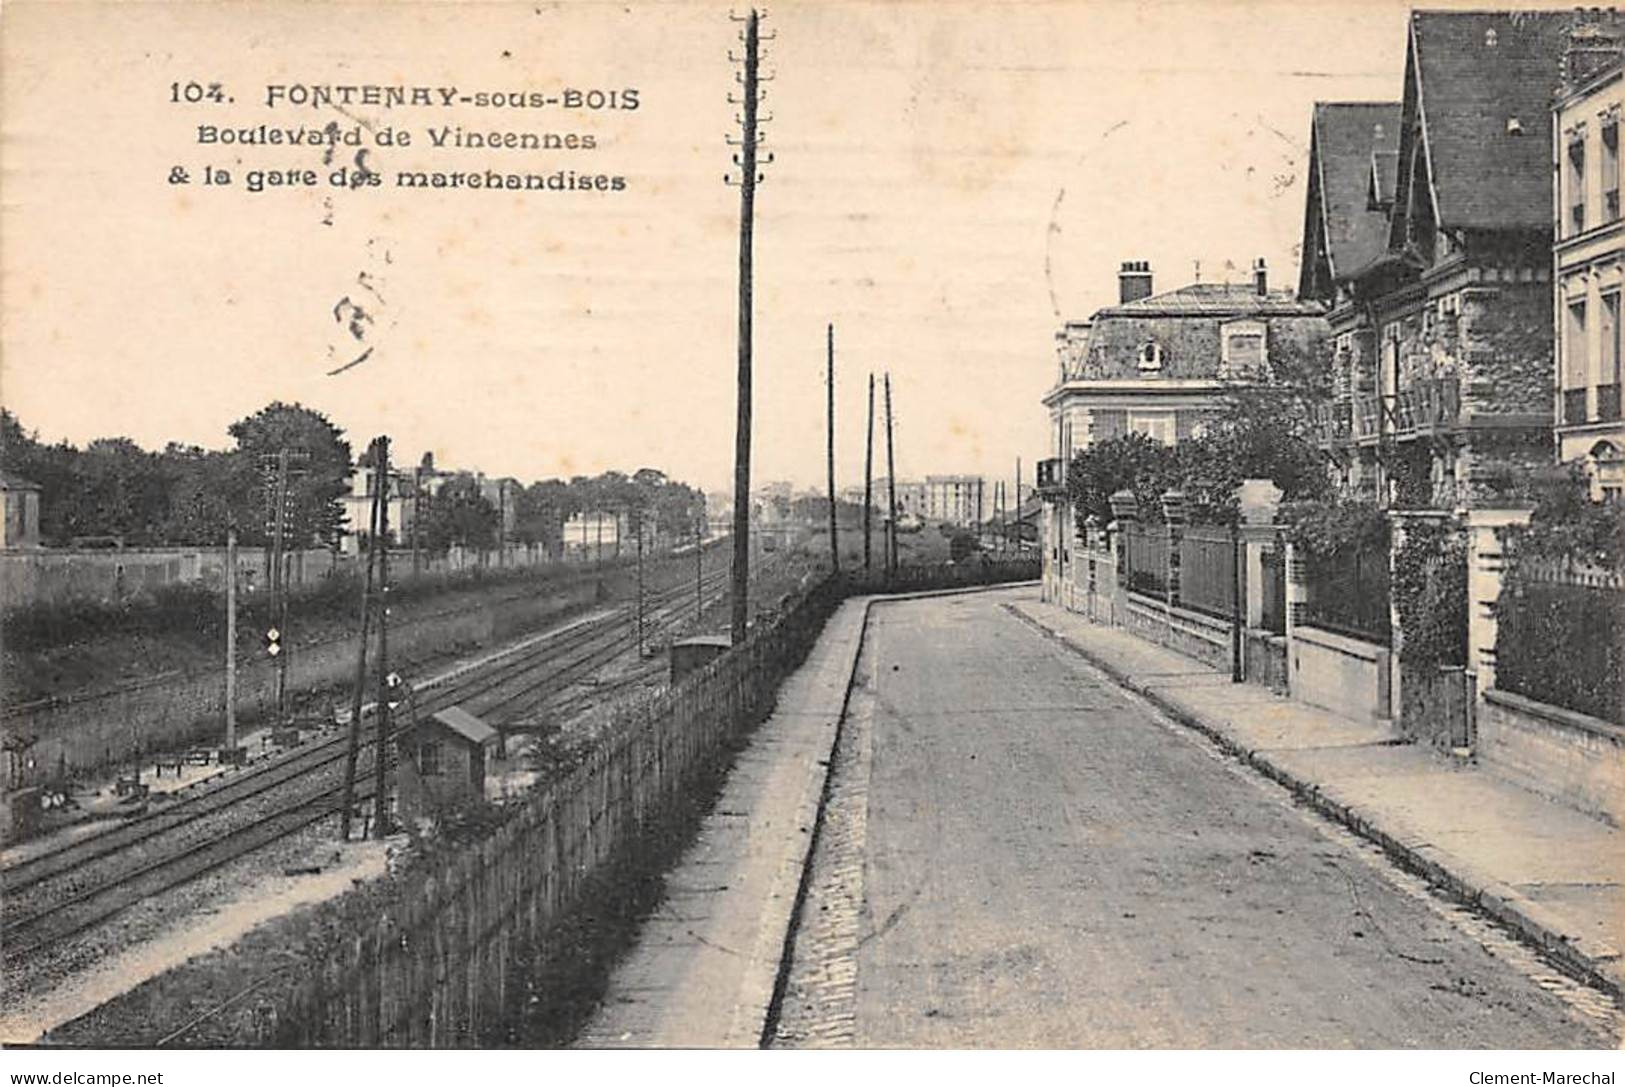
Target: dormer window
<point>1150,357</point>
<point>1243,353</point>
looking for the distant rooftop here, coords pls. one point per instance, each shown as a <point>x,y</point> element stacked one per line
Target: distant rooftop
<point>1214,300</point>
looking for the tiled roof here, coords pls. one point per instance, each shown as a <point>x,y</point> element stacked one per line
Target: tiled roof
<point>1469,74</point>
<point>1350,138</point>
<point>1213,300</point>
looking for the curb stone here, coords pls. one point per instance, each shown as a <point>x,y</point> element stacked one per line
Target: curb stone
<point>1499,901</point>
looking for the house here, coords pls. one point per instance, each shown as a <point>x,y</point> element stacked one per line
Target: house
<point>1587,251</point>
<point>447,753</point>
<point>20,528</point>
<point>358,503</point>
<point>1161,365</point>
<point>1444,371</point>
<point>1353,167</point>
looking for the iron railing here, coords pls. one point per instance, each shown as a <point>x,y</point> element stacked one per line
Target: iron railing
<point>1274,578</point>
<point>1348,592</point>
<point>1145,554</point>
<point>1207,570</point>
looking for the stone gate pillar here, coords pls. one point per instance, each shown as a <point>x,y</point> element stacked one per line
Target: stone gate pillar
<point>1485,564</point>
<point>1260,499</point>
<point>1173,514</point>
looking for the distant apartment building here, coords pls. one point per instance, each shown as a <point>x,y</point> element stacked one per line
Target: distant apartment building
<point>1587,250</point>
<point>954,500</point>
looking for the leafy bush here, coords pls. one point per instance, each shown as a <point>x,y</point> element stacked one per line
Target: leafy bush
<point>1563,645</point>
<point>1430,594</point>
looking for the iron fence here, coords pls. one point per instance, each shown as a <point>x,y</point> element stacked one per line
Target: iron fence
<point>1273,565</point>
<point>1207,570</point>
<point>1348,592</point>
<point>1145,551</point>
<point>1560,637</point>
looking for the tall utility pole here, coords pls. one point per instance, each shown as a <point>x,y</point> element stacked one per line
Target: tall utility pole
<point>869,474</point>
<point>353,746</point>
<point>1021,535</point>
<point>699,563</point>
<point>834,537</point>
<point>380,757</point>
<point>891,486</point>
<point>746,160</point>
<point>231,641</point>
<point>417,516</point>
<point>279,591</point>
<point>640,582</point>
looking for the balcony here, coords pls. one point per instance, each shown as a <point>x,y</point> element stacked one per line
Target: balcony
<point>1367,421</point>
<point>1051,478</point>
<point>1331,424</point>
<point>1428,406</point>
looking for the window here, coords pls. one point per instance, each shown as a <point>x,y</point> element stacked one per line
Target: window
<point>431,760</point>
<point>1577,183</point>
<point>1575,360</point>
<point>1242,349</point>
<point>1608,330</point>
<point>1610,170</point>
<point>1157,427</point>
<point>1150,356</point>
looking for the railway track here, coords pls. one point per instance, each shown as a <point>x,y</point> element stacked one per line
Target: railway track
<point>54,896</point>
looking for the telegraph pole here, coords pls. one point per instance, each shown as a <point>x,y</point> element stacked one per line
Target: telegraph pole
<point>869,475</point>
<point>353,745</point>
<point>747,179</point>
<point>640,583</point>
<point>279,597</point>
<point>231,641</point>
<point>380,757</point>
<point>1021,534</point>
<point>891,487</point>
<point>834,537</point>
<point>417,516</point>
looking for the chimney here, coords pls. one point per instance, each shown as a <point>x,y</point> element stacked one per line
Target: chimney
<point>1261,277</point>
<point>1134,281</point>
<point>1596,42</point>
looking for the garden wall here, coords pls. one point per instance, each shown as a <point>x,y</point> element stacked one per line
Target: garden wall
<point>1341,674</point>
<point>1569,756</point>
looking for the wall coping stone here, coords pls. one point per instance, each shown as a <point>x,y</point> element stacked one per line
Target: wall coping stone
<point>1341,643</point>
<point>1557,715</point>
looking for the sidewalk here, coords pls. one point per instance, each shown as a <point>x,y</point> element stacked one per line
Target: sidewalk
<point>706,962</point>
<point>1550,873</point>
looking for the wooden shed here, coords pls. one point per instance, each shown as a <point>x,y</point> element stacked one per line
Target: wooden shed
<point>449,750</point>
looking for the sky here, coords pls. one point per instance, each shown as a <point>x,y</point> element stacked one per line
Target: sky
<point>951,181</point>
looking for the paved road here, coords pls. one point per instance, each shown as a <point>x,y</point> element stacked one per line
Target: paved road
<point>1020,854</point>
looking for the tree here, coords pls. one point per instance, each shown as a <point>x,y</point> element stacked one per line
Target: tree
<point>541,511</point>
<point>459,514</point>
<point>316,483</point>
<point>209,493</point>
<point>52,467</point>
<point>1133,461</point>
